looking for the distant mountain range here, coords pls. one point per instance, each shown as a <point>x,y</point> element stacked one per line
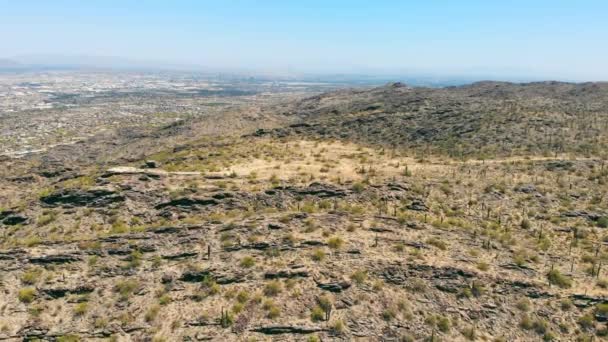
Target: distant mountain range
<point>42,62</point>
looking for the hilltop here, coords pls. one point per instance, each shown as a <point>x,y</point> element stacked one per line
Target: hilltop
<point>484,119</point>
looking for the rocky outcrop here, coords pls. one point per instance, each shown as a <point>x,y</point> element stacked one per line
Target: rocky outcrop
<point>187,203</point>
<point>83,198</point>
<point>286,274</point>
<point>336,287</point>
<point>417,205</point>
<point>11,218</point>
<point>592,216</point>
<point>58,292</point>
<point>315,189</point>
<point>54,259</point>
<point>287,329</point>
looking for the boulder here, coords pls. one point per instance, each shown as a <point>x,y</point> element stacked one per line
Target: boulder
<point>151,164</point>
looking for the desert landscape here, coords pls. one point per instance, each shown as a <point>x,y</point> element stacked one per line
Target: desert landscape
<point>394,213</point>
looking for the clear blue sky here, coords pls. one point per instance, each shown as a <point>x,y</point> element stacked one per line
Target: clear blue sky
<point>548,38</point>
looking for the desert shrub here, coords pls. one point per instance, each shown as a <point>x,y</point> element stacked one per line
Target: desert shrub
<point>273,312</point>
<point>226,319</point>
<point>540,326</point>
<point>210,286</point>
<point>443,324</point>
<point>164,299</point>
<point>46,218</point>
<point>81,308</point>
<point>247,262</point>
<point>359,277</point>
<point>126,287</point>
<point>556,278</point>
<point>586,321</point>
<point>335,242</point>
<point>318,255</point>
<point>237,308</point>
<point>68,338</point>
<point>437,243</point>
<point>100,323</point>
<point>313,338</point>
<point>417,285</point>
<point>134,259</point>
<point>407,338</point>
<point>338,327</point>
<point>242,297</point>
<point>526,322</point>
<point>469,333</point>
<point>388,314</point>
<point>27,295</point>
<point>324,204</point>
<point>31,276</point>
<point>523,304</point>
<point>358,187</point>
<point>483,266</point>
<point>602,309</point>
<point>272,288</point>
<point>566,304</point>
<point>317,314</point>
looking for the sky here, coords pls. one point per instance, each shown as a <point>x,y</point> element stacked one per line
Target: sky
<point>553,39</point>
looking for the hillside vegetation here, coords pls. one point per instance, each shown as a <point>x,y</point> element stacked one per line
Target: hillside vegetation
<point>475,213</point>
<point>482,120</point>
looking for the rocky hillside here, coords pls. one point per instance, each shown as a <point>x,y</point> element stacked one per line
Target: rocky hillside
<point>318,220</point>
<point>484,119</point>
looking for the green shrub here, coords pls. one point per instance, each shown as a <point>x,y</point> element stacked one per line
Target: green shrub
<point>318,255</point>
<point>556,278</point>
<point>126,287</point>
<point>338,327</point>
<point>586,321</point>
<point>164,299</point>
<point>443,323</point>
<point>242,297</point>
<point>335,242</point>
<point>359,277</point>
<point>317,314</point>
<point>272,288</point>
<point>526,322</point>
<point>602,309</point>
<point>226,319</point>
<point>273,312</point>
<point>523,305</point>
<point>237,308</point>
<point>27,295</point>
<point>469,333</point>
<point>358,187</point>
<point>68,338</point>
<point>81,308</point>
<point>483,266</point>
<point>388,314</point>
<point>247,262</point>
<point>566,304</point>
<point>31,276</point>
<point>437,243</point>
